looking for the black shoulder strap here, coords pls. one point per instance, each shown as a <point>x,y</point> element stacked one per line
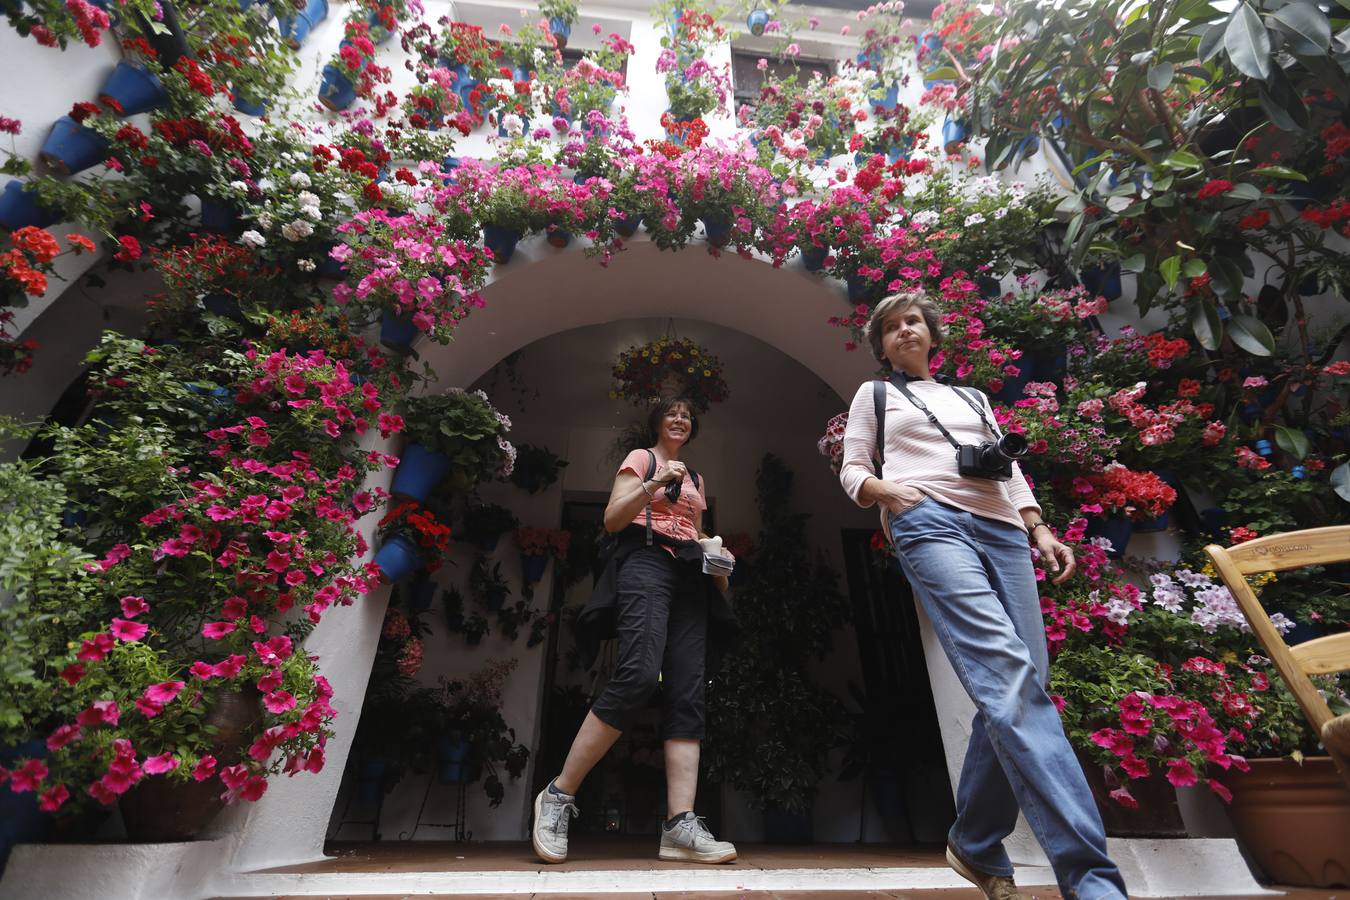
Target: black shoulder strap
<point>879,407</point>
<point>651,473</point>
<point>651,467</point>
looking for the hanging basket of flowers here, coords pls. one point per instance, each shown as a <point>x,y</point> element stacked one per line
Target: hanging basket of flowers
<point>669,367</point>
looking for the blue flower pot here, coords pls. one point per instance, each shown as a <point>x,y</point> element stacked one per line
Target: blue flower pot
<point>397,332</point>
<point>1014,386</point>
<point>532,566</point>
<point>500,242</point>
<point>20,208</point>
<point>813,257</point>
<point>628,225</point>
<point>861,289</point>
<point>398,558</point>
<point>757,21</point>
<point>21,822</point>
<point>520,73</point>
<point>451,760</point>
<point>930,41</point>
<point>1116,530</point>
<point>419,470</point>
<point>336,90</point>
<point>1102,280</point>
<point>329,267</point>
<point>295,28</point>
<point>1160,523</point>
<point>558,237</point>
<point>221,218</point>
<point>891,99</point>
<point>561,30</point>
<point>717,231</point>
<point>370,780</point>
<point>870,59</point>
<point>524,126</point>
<point>420,593</point>
<point>954,132</point>
<point>135,88</point>
<point>71,147</point>
<point>378,33</point>
<point>246,107</point>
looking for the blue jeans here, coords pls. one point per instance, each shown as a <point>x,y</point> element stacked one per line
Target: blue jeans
<point>975,580</point>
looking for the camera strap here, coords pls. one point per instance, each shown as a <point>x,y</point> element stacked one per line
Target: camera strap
<point>900,384</point>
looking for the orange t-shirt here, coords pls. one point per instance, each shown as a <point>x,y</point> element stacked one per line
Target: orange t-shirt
<point>674,520</point>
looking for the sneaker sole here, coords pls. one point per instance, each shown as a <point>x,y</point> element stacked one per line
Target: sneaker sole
<point>539,851</point>
<point>965,871</point>
<point>680,854</point>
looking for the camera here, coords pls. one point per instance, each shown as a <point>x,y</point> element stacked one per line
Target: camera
<point>992,459</point>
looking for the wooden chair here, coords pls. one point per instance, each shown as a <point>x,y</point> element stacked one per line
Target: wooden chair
<point>1321,656</point>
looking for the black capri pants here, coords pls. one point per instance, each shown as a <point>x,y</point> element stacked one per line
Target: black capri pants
<point>661,622</point>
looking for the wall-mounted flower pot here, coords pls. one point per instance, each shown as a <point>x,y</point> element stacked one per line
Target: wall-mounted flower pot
<point>869,59</point>
<point>558,237</point>
<point>421,593</point>
<point>247,107</point>
<point>1116,529</point>
<point>757,21</point>
<point>370,779</point>
<point>813,257</point>
<point>500,242</point>
<point>1102,280</point>
<point>930,42</point>
<point>397,332</point>
<point>628,225</point>
<point>21,822</point>
<point>419,470</point>
<point>71,147</point>
<point>398,558</point>
<point>861,289</point>
<point>452,755</point>
<point>717,231</point>
<point>561,29</point>
<point>954,133</point>
<point>20,208</point>
<point>502,130</point>
<point>891,99</point>
<point>222,304</point>
<point>378,33</point>
<point>1160,523</point>
<point>134,88</point>
<point>336,91</point>
<point>221,218</point>
<point>295,28</point>
<point>532,566</point>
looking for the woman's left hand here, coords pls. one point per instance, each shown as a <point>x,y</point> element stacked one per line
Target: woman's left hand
<point>1056,556</point>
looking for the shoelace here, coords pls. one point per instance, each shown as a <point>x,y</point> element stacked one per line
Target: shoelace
<point>563,817</point>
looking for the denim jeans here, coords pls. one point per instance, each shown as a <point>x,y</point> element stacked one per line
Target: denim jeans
<point>975,580</point>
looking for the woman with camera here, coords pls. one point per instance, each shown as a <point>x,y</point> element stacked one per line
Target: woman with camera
<point>960,514</point>
<point>654,597</point>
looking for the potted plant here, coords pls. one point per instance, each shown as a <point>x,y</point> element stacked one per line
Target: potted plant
<point>560,15</point>
<point>536,468</point>
<point>414,539</point>
<point>537,546</point>
<point>461,436</point>
<point>669,367</point>
<point>472,736</point>
<point>485,523</point>
<point>1122,496</point>
<point>487,585</point>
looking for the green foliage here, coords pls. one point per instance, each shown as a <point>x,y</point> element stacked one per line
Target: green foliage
<point>536,468</point>
<point>463,426</point>
<point>771,726</point>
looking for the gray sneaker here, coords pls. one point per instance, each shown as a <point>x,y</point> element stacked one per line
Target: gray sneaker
<point>552,814</point>
<point>689,840</point>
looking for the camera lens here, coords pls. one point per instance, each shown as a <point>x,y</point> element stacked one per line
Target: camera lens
<point>1012,446</point>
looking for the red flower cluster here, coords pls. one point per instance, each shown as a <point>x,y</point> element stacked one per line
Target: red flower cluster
<point>542,541</point>
<point>1137,495</point>
<point>1214,188</point>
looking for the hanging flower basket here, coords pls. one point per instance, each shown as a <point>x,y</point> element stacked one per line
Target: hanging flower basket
<point>667,367</point>
<point>134,88</point>
<point>336,91</point>
<point>71,147</point>
<point>20,208</point>
<point>419,470</point>
<point>561,29</point>
<point>757,21</point>
<point>500,242</point>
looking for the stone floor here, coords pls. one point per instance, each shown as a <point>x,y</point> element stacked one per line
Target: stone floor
<point>617,854</point>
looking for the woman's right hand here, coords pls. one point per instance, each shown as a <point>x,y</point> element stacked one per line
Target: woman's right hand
<point>672,470</point>
<point>896,498</point>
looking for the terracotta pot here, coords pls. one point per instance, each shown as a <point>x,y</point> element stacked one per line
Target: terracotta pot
<point>1294,820</point>
<point>159,810</point>
<point>1157,815</point>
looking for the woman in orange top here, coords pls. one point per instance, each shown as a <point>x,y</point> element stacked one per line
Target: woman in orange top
<point>661,620</point>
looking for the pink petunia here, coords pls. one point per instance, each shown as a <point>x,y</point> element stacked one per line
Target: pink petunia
<point>28,776</point>
<point>279,701</point>
<point>1180,773</point>
<point>1123,796</point>
<point>96,648</point>
<point>53,798</point>
<point>134,606</point>
<point>158,765</point>
<point>63,735</point>
<point>234,608</point>
<point>164,692</point>
<point>204,769</point>
<point>125,630</point>
<point>100,712</point>
<point>217,630</point>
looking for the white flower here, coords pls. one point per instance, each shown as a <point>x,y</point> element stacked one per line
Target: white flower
<point>305,198</point>
<point>513,124</point>
<point>313,213</point>
<point>1000,213</point>
<point>306,265</point>
<point>300,180</point>
<point>252,239</point>
<point>974,219</point>
<point>239,186</point>
<point>264,221</point>
<point>297,230</point>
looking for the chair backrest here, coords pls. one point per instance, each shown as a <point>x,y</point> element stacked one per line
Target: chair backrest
<point>1279,553</point>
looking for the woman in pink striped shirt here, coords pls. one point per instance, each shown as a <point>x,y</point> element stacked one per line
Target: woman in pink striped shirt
<point>960,532</point>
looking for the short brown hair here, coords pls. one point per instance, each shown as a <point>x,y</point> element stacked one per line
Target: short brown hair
<point>658,412</point>
<point>899,303</point>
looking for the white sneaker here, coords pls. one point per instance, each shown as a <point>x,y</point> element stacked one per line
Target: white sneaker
<point>689,840</point>
<point>552,814</point>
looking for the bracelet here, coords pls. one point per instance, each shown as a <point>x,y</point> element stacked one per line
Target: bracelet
<point>1040,525</point>
<point>650,495</point>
